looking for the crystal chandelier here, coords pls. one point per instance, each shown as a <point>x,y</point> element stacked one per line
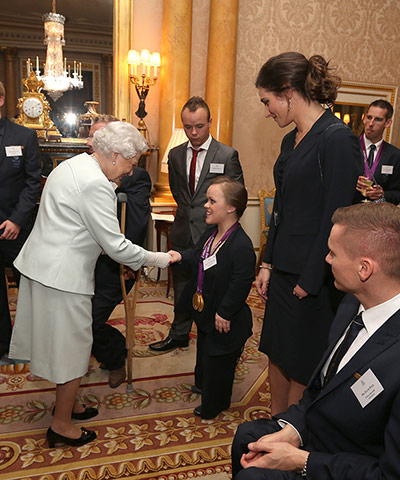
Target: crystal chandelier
<point>56,78</point>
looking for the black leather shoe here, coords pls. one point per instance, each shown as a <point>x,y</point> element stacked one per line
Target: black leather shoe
<point>54,438</point>
<point>168,344</point>
<point>198,411</point>
<point>89,412</point>
<point>195,389</point>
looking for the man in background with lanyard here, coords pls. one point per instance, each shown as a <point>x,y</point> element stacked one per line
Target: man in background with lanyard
<point>381,160</point>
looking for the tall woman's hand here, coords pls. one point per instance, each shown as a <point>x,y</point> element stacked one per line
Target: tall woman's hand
<point>262,282</point>
<point>299,292</point>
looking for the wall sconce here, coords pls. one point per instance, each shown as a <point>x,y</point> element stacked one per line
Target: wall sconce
<point>140,68</point>
<point>346,118</point>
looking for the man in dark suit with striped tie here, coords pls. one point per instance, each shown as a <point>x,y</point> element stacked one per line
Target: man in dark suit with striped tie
<point>381,159</point>
<point>346,426</point>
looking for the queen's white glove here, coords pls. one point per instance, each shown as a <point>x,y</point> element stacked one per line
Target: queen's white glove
<point>158,259</point>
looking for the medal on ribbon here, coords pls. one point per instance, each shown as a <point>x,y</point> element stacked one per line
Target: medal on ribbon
<point>198,299</point>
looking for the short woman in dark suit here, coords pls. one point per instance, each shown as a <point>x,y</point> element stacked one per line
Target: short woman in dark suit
<point>223,271</point>
<point>316,172</point>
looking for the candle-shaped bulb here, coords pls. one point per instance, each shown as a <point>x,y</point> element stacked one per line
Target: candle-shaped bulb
<point>156,62</point>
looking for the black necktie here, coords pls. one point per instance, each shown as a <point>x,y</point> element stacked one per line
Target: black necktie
<point>356,325</point>
<point>370,159</point>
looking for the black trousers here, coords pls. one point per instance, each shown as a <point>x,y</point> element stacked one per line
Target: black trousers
<point>9,250</point>
<point>249,432</point>
<point>108,342</point>
<point>214,375</point>
<point>182,323</point>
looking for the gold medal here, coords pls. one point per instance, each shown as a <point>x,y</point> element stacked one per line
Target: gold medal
<point>198,302</point>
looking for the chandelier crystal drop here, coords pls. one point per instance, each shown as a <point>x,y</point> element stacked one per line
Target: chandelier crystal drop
<point>57,79</point>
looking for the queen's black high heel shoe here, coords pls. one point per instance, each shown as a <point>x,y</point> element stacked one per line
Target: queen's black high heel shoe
<point>54,438</point>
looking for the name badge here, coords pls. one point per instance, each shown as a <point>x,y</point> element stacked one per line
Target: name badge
<point>366,388</point>
<point>14,151</point>
<point>217,167</point>
<point>209,262</point>
<point>387,169</point>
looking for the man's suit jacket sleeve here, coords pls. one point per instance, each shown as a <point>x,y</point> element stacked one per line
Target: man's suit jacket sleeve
<point>138,188</point>
<point>173,179</point>
<point>233,168</point>
<point>30,193</point>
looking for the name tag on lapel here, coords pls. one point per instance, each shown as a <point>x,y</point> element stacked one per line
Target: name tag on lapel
<point>387,170</point>
<point>14,151</point>
<point>217,167</point>
<point>367,387</point>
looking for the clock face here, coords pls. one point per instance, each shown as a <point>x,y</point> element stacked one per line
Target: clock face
<point>32,107</point>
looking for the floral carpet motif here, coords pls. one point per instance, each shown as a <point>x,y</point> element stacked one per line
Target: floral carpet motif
<point>150,433</point>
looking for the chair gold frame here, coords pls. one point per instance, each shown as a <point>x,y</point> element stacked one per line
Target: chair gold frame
<point>266,207</point>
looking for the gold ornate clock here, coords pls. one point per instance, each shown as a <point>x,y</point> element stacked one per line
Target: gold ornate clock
<point>34,109</point>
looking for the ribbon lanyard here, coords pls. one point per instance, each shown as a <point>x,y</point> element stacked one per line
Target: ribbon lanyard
<point>207,253</point>
<point>369,172</point>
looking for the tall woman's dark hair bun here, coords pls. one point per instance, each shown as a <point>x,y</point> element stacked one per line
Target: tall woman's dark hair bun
<point>313,78</point>
<point>321,83</point>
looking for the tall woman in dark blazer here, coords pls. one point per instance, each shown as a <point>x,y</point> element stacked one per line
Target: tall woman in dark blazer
<point>223,271</point>
<point>316,172</point>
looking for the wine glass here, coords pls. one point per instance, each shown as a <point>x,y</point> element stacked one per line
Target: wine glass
<point>368,184</point>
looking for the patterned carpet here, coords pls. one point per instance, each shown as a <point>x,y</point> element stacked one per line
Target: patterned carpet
<point>150,433</point>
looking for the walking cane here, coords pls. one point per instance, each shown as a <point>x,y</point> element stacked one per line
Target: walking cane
<point>129,300</point>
